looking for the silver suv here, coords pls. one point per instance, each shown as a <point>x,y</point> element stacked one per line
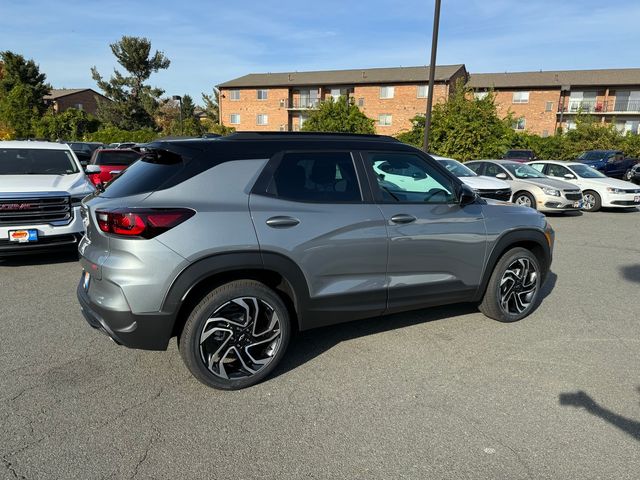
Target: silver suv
<point>232,244</point>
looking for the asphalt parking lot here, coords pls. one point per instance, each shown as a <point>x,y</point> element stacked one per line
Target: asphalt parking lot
<point>440,393</point>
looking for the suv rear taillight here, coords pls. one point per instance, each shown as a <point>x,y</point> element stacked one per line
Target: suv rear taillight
<point>141,223</point>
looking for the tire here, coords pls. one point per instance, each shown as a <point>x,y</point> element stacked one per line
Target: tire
<point>591,201</point>
<point>236,335</point>
<point>628,175</point>
<point>522,272</point>
<point>524,199</point>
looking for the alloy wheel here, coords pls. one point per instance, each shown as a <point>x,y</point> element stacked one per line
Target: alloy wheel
<point>518,286</point>
<point>240,338</point>
<point>523,200</point>
<point>588,201</point>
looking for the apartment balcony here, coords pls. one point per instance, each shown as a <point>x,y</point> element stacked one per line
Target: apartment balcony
<point>600,107</point>
<point>301,103</point>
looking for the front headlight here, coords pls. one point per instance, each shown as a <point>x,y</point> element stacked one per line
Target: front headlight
<point>551,191</point>
<point>614,190</point>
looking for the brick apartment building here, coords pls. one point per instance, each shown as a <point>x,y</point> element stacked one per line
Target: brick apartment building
<point>282,101</point>
<point>544,101</point>
<point>80,98</point>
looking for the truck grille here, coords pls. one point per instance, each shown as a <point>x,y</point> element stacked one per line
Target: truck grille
<point>31,211</point>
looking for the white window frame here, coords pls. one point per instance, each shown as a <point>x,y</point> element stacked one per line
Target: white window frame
<point>385,116</point>
<point>265,94</point>
<point>520,96</point>
<point>234,95</point>
<point>231,122</point>
<point>480,95</point>
<point>426,91</point>
<point>389,92</point>
<point>548,106</point>
<point>264,117</point>
<point>517,128</point>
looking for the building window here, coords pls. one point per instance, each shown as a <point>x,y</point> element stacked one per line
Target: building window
<point>234,94</point>
<point>384,120</point>
<point>234,119</point>
<point>545,133</point>
<point>480,95</point>
<point>79,106</point>
<point>423,90</point>
<point>262,119</point>
<point>548,107</point>
<point>386,92</point>
<point>520,124</point>
<point>361,102</point>
<point>520,97</point>
<point>262,94</point>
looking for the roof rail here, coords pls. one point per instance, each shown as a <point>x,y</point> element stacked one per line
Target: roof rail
<point>306,135</point>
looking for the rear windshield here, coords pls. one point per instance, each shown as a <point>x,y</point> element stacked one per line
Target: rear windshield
<point>519,154</point>
<point>116,158</point>
<point>147,175</point>
<point>31,161</point>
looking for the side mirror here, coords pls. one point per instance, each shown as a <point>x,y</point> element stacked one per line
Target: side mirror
<point>467,195</point>
<point>502,176</point>
<point>92,169</point>
<point>569,176</point>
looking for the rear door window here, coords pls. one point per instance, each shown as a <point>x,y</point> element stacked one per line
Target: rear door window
<point>116,158</point>
<point>324,177</point>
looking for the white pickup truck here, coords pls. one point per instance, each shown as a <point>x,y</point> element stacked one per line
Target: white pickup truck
<point>41,186</point>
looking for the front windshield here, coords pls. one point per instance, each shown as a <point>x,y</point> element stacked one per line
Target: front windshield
<point>585,171</point>
<point>458,169</point>
<point>32,161</point>
<point>594,155</point>
<point>520,170</point>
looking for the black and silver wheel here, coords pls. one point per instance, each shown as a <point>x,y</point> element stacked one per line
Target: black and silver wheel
<point>514,286</point>
<point>524,199</point>
<point>591,201</point>
<point>236,335</point>
<point>628,175</point>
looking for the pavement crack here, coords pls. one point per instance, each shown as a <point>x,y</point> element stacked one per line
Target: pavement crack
<point>9,466</point>
<point>145,454</point>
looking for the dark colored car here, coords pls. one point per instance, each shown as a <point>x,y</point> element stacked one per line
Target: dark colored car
<point>84,150</point>
<point>518,155</point>
<point>232,244</point>
<point>107,163</point>
<point>610,162</point>
<point>633,174</point>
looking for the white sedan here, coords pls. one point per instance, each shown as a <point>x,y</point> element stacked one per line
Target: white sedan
<point>598,189</point>
<point>487,187</point>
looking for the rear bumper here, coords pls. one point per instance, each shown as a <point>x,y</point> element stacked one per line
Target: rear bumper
<point>146,332</point>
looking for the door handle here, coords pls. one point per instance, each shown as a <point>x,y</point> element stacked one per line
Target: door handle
<point>282,222</point>
<point>403,218</point>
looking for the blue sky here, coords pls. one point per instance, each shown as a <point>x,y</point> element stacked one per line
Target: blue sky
<point>210,42</point>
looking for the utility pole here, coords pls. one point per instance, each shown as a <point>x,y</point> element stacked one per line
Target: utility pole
<point>432,72</point>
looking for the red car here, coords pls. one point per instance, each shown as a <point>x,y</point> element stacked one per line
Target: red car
<point>110,163</point>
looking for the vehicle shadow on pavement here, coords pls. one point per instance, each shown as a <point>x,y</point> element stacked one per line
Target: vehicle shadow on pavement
<point>305,346</point>
<point>39,259</point>
<point>631,273</point>
<point>581,400</point>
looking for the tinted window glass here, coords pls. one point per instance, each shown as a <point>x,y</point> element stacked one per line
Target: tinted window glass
<point>408,178</point>
<point>147,175</point>
<point>29,161</point>
<point>557,170</point>
<point>491,170</point>
<point>475,167</point>
<point>537,166</point>
<point>116,158</point>
<point>316,177</point>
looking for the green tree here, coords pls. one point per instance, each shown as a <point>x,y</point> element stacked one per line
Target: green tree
<point>133,102</point>
<point>338,116</point>
<point>72,124</point>
<point>22,91</point>
<point>212,105</point>
<point>112,134</point>
<point>464,128</point>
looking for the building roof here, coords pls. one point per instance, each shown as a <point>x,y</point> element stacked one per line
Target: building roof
<point>56,93</point>
<point>443,73</point>
<point>558,78</point>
